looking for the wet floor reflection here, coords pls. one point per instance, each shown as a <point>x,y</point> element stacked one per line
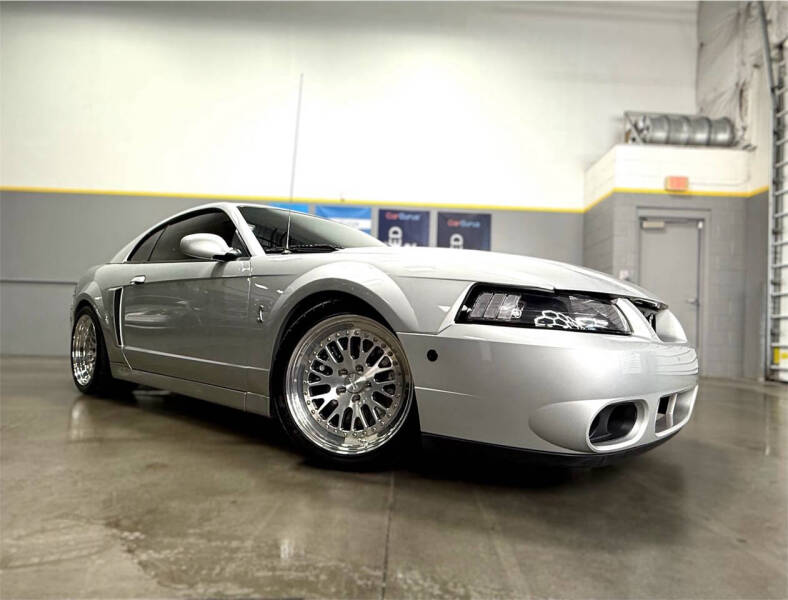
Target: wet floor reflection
<point>159,495</point>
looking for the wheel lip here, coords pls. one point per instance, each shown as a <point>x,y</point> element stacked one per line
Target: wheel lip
<point>293,379</point>
<point>83,368</point>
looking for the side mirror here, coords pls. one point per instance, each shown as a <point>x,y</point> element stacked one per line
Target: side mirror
<point>207,245</point>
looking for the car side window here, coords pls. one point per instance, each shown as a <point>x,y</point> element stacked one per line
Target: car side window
<point>142,251</point>
<point>168,246</point>
<point>270,225</point>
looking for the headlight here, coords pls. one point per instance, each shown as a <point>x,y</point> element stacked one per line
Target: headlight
<point>543,310</point>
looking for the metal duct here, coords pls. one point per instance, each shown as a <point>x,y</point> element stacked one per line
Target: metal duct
<point>682,130</point>
<point>722,133</point>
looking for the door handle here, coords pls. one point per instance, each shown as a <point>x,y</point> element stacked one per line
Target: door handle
<point>137,280</point>
<point>693,301</point>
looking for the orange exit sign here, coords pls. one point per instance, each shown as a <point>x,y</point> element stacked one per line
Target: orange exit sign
<point>676,183</point>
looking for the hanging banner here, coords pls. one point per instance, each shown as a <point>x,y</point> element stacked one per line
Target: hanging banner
<point>302,208</point>
<point>404,227</point>
<point>358,217</point>
<point>469,231</point>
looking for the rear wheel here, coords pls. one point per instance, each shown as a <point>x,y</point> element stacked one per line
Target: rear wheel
<point>89,361</point>
<point>347,393</point>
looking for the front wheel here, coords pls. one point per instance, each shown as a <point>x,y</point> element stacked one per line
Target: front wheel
<point>348,390</point>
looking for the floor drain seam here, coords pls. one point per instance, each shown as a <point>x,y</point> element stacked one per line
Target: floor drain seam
<point>504,550</point>
<point>388,535</point>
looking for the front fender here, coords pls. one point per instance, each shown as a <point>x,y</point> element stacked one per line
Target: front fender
<point>363,281</point>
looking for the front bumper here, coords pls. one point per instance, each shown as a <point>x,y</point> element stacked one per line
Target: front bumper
<point>540,390</point>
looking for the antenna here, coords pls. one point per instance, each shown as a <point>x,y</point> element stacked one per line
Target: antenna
<point>295,155</point>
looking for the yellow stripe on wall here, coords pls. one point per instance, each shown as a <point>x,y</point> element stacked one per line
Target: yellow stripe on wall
<point>295,200</point>
<point>658,192</point>
<point>301,200</point>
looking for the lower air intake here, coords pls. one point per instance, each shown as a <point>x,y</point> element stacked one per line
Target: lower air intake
<point>614,422</point>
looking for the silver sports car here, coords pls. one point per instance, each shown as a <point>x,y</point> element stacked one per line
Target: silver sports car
<point>350,344</point>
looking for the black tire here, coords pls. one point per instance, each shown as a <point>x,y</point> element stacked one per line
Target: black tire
<point>396,448</point>
<point>100,382</point>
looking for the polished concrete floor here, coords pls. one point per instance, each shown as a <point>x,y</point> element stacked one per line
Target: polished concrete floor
<point>161,496</point>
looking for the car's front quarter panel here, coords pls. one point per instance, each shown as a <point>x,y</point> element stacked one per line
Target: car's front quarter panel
<point>534,389</point>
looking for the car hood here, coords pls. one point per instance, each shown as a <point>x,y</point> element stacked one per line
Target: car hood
<point>494,267</point>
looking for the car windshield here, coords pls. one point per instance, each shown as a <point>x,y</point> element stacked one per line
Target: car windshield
<point>307,233</point>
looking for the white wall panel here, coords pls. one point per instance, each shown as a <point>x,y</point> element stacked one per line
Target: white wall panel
<point>636,167</point>
<point>501,104</point>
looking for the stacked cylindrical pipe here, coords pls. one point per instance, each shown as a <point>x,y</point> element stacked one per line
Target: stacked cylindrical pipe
<point>682,130</point>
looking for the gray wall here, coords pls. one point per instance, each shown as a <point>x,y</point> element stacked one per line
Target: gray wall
<point>732,272</point>
<point>756,237</point>
<point>598,237</point>
<point>47,240</point>
<point>553,235</point>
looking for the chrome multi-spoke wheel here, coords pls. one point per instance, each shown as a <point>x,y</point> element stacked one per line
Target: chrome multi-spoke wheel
<point>348,385</point>
<point>84,350</point>
<point>90,364</point>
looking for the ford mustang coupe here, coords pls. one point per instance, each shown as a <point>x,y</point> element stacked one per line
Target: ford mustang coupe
<point>350,344</point>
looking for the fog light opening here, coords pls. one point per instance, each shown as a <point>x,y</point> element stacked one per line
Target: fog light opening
<point>614,422</point>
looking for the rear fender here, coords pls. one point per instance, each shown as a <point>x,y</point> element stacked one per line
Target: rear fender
<point>89,291</point>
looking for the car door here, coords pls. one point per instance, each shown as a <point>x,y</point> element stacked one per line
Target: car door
<point>185,317</point>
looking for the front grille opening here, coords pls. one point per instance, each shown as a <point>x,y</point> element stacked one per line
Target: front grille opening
<point>613,422</point>
<point>673,410</point>
<point>664,403</point>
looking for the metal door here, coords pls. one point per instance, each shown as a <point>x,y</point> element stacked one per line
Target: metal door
<point>189,320</point>
<point>670,255</point>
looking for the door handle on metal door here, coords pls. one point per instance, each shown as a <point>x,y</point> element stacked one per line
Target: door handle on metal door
<point>137,280</point>
<point>693,301</point>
